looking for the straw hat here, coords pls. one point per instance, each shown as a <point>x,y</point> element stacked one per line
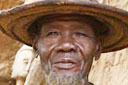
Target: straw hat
<point>15,22</point>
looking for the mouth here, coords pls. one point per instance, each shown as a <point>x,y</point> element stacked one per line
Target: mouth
<point>66,64</point>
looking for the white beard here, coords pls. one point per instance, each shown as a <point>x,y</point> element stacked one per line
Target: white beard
<point>53,79</point>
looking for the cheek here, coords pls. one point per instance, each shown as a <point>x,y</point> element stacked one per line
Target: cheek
<point>87,48</point>
<point>45,47</point>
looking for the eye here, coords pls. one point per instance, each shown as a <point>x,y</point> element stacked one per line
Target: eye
<point>80,34</point>
<point>52,34</point>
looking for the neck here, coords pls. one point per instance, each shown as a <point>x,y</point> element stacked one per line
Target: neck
<point>85,82</point>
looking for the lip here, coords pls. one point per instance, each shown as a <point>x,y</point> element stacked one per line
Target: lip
<point>65,64</point>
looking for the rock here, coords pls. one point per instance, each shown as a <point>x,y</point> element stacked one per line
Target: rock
<point>4,4</point>
<point>8,48</point>
<point>110,69</point>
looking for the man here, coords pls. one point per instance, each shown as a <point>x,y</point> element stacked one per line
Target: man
<point>67,34</point>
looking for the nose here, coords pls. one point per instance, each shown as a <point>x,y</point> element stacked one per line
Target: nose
<point>67,47</point>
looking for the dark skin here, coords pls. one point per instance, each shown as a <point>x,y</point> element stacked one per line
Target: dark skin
<point>67,46</point>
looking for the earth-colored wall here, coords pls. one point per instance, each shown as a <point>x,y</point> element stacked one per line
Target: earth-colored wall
<point>110,69</point>
<point>8,47</point>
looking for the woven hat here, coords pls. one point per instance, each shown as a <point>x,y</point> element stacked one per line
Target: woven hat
<point>15,21</point>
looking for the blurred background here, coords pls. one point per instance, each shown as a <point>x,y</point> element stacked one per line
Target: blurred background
<point>110,69</point>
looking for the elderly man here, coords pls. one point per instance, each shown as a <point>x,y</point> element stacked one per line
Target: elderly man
<point>67,45</point>
<point>67,35</point>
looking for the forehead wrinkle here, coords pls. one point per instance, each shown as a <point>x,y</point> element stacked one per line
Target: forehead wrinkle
<point>50,27</point>
<point>78,23</point>
<point>75,24</point>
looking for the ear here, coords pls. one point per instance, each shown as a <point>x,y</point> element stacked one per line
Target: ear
<point>98,52</point>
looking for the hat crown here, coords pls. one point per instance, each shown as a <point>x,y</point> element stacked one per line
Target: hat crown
<point>32,1</point>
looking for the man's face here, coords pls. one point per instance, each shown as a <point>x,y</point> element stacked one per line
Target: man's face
<point>67,46</point>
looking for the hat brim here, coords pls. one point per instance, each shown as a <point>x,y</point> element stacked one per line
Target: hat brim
<point>15,22</point>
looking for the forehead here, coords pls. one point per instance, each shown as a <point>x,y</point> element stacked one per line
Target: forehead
<point>76,18</point>
<point>96,25</point>
<point>66,21</point>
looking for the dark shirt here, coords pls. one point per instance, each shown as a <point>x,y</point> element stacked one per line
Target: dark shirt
<point>90,83</point>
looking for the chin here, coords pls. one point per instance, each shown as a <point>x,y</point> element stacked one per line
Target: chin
<point>65,69</point>
<point>62,76</point>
